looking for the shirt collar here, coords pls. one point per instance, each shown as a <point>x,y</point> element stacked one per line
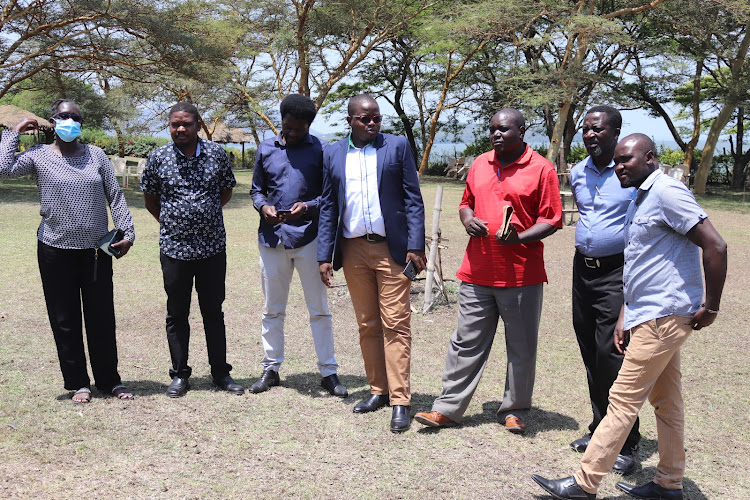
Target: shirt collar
<point>520,162</point>
<point>197,148</point>
<point>281,142</point>
<point>351,144</point>
<point>590,164</point>
<point>646,185</point>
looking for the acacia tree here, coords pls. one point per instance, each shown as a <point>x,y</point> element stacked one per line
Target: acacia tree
<point>308,46</point>
<point>734,82</point>
<point>587,22</point>
<point>693,54</point>
<point>133,51</point>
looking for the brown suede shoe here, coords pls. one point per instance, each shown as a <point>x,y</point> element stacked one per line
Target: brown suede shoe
<point>515,424</point>
<point>434,419</point>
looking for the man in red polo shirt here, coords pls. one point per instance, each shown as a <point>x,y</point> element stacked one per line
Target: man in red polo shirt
<point>501,277</point>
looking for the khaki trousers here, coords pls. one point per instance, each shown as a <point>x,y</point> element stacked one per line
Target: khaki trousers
<point>651,369</point>
<point>380,295</point>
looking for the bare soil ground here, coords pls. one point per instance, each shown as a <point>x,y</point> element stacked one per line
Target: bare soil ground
<point>296,441</point>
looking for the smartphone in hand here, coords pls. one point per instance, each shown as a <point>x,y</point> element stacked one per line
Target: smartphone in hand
<point>410,271</point>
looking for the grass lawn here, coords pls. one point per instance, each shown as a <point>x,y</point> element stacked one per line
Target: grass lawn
<point>296,441</point>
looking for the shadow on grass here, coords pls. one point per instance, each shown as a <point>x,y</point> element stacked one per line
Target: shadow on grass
<point>308,384</point>
<point>21,190</point>
<point>152,387</point>
<point>537,420</point>
<point>690,490</point>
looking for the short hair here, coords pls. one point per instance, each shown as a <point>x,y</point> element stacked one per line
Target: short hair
<point>299,106</point>
<point>56,105</point>
<point>185,107</point>
<point>515,116</point>
<point>614,118</point>
<point>357,100</point>
<point>643,143</point>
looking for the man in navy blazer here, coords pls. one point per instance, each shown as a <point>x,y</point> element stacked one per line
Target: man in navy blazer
<point>372,225</point>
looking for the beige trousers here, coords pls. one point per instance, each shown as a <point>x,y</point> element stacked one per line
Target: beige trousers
<point>651,369</point>
<point>380,295</point>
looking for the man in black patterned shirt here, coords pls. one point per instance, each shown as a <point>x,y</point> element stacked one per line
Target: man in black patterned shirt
<point>185,185</point>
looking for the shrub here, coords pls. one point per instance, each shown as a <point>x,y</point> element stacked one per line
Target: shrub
<point>481,144</point>
<point>577,153</point>
<point>670,156</point>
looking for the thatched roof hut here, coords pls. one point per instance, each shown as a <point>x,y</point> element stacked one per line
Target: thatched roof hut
<point>10,115</point>
<point>225,135</point>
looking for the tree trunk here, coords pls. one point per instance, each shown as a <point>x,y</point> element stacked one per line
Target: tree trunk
<point>701,175</point>
<point>120,138</point>
<point>696,107</point>
<point>739,169</point>
<point>558,131</point>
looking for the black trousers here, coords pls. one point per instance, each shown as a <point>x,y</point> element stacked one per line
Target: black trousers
<point>597,300</point>
<point>209,274</point>
<point>69,278</point>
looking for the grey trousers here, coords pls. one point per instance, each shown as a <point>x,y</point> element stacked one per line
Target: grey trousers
<point>479,310</point>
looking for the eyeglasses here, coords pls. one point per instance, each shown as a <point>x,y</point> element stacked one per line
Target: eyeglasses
<point>367,119</point>
<point>68,116</point>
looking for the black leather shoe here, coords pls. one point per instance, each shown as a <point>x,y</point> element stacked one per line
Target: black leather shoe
<point>270,378</point>
<point>400,420</point>
<point>372,403</point>
<point>333,385</point>
<point>228,384</point>
<point>580,445</point>
<point>625,463</point>
<point>650,491</point>
<point>178,387</point>
<point>565,488</point>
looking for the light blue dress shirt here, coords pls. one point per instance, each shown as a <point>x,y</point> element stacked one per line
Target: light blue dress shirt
<point>662,274</point>
<point>362,214</point>
<point>602,204</point>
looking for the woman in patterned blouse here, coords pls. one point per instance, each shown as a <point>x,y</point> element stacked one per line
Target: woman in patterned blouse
<point>76,184</point>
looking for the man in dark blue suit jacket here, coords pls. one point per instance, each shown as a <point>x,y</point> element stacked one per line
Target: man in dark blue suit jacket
<point>372,225</point>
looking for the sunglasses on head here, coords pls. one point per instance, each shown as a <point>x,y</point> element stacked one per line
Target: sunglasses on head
<point>367,119</point>
<point>67,116</point>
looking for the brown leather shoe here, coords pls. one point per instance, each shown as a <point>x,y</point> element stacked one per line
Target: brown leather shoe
<point>434,419</point>
<point>515,424</point>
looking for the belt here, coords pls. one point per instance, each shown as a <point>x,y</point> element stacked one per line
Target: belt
<point>609,262</point>
<point>373,237</point>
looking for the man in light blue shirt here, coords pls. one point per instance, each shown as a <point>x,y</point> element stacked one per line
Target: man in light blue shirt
<point>663,293</point>
<point>597,269</point>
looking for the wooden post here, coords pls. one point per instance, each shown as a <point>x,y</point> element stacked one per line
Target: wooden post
<point>433,250</point>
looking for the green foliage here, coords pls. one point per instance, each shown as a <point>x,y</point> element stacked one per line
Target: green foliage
<point>139,146</point>
<point>541,148</point>
<point>721,169</point>
<point>142,145</point>
<point>36,94</point>
<point>671,156</point>
<point>436,168</point>
<point>481,143</point>
<point>577,153</point>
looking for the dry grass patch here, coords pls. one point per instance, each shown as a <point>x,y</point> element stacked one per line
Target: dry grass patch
<point>296,441</point>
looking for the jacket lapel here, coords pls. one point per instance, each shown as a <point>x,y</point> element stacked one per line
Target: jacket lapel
<point>381,151</point>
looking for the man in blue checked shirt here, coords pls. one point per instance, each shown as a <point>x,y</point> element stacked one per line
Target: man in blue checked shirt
<point>185,185</point>
<point>287,184</point>
<point>669,240</point>
<point>597,268</point>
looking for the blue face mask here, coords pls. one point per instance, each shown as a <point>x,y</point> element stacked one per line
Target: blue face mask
<point>68,130</point>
